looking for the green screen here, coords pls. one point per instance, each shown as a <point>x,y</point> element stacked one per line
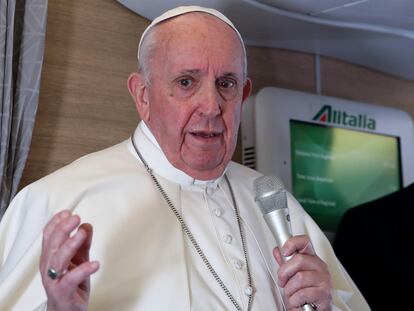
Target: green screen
<point>334,169</point>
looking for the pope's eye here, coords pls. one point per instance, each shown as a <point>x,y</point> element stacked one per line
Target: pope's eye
<point>226,83</point>
<point>185,82</point>
<point>227,86</point>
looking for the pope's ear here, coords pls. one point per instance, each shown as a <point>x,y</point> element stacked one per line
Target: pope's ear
<point>138,90</point>
<point>247,88</point>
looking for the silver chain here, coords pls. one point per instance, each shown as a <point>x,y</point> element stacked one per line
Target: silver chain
<point>193,241</point>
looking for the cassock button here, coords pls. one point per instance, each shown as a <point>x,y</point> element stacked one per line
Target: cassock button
<point>218,212</point>
<point>228,239</point>
<point>248,291</point>
<point>238,264</point>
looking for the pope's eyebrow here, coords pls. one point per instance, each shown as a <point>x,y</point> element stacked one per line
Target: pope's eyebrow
<point>189,72</point>
<point>230,75</point>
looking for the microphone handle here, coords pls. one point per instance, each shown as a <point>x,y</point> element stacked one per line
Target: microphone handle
<point>278,222</point>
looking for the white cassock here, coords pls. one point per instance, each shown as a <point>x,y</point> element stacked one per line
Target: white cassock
<point>147,262</point>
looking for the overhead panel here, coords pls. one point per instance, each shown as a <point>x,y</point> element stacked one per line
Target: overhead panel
<point>306,6</point>
<point>378,34</point>
<point>396,14</point>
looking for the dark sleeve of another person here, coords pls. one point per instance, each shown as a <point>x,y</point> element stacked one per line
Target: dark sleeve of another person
<point>374,242</point>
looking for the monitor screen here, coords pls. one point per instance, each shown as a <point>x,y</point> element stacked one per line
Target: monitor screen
<point>334,169</point>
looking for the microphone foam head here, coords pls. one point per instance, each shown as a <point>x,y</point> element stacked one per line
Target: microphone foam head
<point>270,193</point>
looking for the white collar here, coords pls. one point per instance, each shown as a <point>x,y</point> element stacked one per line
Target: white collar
<point>156,160</point>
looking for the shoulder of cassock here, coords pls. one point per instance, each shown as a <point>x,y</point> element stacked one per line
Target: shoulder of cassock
<point>96,187</point>
<point>63,189</point>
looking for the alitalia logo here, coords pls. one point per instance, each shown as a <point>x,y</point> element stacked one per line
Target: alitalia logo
<point>328,115</point>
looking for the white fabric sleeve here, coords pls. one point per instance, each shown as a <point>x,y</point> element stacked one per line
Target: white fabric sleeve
<point>345,294</point>
<point>42,307</point>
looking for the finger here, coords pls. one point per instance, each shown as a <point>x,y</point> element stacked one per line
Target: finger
<point>74,278</point>
<point>61,233</point>
<point>278,256</point>
<point>309,295</point>
<point>68,251</point>
<point>56,219</point>
<point>300,280</point>
<point>52,240</point>
<point>89,233</point>
<point>47,234</point>
<point>300,244</point>
<point>82,254</point>
<point>299,262</point>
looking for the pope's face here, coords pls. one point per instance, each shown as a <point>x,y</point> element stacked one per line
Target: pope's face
<point>193,101</point>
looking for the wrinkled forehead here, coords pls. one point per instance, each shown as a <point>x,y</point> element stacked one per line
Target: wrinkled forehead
<point>186,10</point>
<point>196,42</point>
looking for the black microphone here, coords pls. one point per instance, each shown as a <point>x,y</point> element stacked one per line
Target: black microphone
<point>272,200</point>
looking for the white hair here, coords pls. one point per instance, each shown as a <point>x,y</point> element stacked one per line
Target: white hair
<point>147,48</point>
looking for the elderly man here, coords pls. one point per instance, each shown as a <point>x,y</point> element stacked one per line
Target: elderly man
<point>175,223</point>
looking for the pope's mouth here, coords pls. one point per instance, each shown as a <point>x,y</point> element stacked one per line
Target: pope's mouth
<point>205,137</point>
<point>202,134</point>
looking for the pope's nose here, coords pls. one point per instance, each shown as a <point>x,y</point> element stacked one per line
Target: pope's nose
<point>209,101</point>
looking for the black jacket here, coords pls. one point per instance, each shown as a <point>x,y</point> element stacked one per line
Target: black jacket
<point>374,242</point>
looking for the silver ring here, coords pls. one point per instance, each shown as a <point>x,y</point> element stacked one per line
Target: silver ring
<point>314,307</point>
<point>52,273</point>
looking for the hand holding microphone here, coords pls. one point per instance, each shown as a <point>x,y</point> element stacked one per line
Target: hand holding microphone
<point>304,276</point>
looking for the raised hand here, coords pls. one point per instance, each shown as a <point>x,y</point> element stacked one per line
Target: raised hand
<point>64,263</point>
<point>305,277</point>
